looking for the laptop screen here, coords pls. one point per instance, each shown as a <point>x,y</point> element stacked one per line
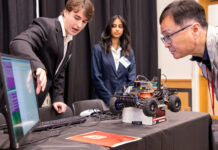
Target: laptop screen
<point>19,93</point>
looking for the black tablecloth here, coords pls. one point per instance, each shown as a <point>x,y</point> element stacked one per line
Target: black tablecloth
<point>182,131</point>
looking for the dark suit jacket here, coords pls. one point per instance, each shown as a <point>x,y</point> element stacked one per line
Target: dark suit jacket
<point>43,44</point>
<point>105,78</point>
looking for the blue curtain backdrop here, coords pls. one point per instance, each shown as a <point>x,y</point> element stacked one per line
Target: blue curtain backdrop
<point>141,17</point>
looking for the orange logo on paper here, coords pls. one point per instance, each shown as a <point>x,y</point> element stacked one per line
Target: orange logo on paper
<point>97,137</point>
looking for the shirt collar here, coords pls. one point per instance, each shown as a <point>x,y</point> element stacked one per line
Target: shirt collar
<point>116,51</point>
<point>60,18</point>
<point>204,59</point>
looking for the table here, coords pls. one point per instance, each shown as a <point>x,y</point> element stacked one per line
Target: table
<point>182,131</point>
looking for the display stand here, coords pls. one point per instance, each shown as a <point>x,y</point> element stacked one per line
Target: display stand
<point>136,116</point>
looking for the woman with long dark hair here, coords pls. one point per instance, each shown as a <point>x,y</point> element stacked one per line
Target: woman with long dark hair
<point>113,60</point>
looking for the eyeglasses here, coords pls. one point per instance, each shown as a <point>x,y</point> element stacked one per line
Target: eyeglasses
<point>167,39</point>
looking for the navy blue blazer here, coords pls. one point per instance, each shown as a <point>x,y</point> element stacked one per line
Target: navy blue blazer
<point>105,78</point>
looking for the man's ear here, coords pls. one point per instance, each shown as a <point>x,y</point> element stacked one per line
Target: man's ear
<point>65,12</point>
<point>196,29</point>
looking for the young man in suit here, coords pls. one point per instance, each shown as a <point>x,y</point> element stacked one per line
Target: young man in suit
<point>47,43</point>
<point>186,32</point>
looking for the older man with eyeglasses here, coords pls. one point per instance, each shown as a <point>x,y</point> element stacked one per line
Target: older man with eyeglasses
<point>186,32</point>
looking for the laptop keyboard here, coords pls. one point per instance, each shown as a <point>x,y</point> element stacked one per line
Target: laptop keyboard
<point>45,125</point>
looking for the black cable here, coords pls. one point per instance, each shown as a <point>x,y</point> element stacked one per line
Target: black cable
<point>106,115</point>
<point>96,122</point>
<point>49,133</point>
<point>56,131</point>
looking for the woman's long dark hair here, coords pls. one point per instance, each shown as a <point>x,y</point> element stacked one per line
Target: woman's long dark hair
<point>106,42</point>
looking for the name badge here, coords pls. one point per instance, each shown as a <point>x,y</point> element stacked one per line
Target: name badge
<point>124,61</point>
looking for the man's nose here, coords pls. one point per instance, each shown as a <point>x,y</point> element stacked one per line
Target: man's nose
<point>80,24</point>
<point>167,45</point>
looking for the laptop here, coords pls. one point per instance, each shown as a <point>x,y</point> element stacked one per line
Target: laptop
<point>20,99</point>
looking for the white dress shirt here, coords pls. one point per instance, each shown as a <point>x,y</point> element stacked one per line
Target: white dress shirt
<point>116,55</point>
<point>67,39</point>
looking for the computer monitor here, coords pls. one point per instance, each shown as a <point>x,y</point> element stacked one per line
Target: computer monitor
<point>20,98</point>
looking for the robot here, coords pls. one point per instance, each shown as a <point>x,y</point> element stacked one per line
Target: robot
<point>145,95</point>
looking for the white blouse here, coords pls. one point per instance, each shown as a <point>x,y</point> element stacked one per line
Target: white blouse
<point>116,56</point>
